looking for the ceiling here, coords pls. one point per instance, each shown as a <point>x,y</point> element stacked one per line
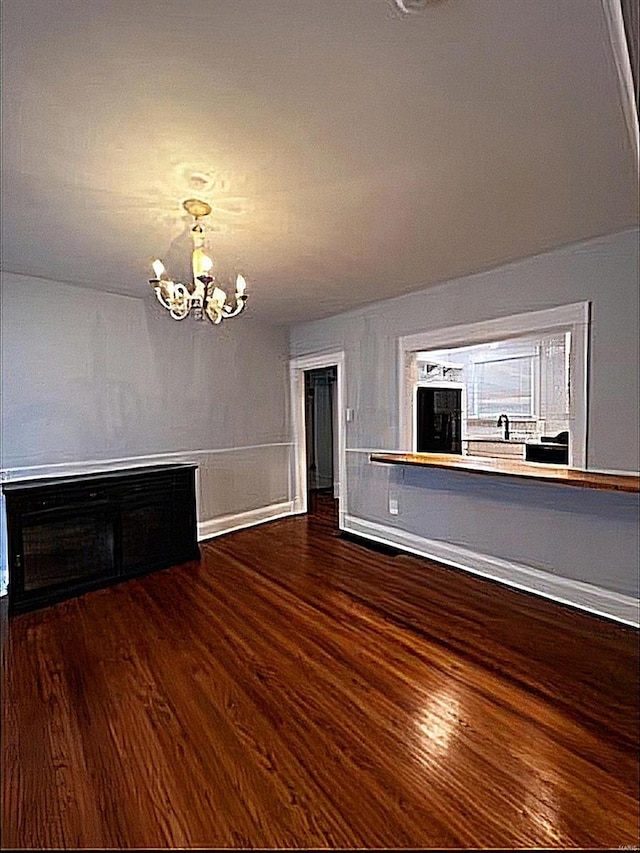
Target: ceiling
<point>351,152</point>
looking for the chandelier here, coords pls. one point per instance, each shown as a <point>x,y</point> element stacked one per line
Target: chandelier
<point>203,298</point>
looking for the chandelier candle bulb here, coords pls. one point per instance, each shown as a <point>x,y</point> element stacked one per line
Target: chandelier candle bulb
<point>158,268</point>
<point>241,285</point>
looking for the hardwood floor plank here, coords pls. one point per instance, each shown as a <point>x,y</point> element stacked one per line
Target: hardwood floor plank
<point>297,690</point>
<point>233,714</point>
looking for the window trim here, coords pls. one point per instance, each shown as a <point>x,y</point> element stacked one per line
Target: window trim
<point>576,316</point>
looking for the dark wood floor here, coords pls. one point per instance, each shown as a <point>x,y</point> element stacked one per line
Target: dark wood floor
<point>296,689</point>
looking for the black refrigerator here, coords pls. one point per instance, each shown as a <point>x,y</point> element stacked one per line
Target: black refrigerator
<point>438,420</point>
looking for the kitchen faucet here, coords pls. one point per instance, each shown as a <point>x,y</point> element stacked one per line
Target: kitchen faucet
<point>504,419</point>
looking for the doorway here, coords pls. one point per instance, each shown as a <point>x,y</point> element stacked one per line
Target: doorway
<point>320,434</point>
<point>319,463</point>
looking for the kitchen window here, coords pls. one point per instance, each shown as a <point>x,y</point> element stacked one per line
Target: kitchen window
<point>503,385</point>
<point>531,367</point>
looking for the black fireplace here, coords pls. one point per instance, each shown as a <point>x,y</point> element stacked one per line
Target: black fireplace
<point>68,535</point>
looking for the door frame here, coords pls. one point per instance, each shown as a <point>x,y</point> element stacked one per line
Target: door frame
<point>297,368</point>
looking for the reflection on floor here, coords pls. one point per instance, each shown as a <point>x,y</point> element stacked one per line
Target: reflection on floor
<point>322,508</point>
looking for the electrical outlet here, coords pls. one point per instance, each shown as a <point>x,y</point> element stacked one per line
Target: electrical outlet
<point>393,506</point>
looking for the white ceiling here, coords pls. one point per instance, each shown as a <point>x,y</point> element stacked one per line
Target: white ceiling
<point>350,152</point>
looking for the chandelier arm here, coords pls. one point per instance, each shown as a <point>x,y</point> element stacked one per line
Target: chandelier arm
<point>165,302</point>
<point>175,316</point>
<point>213,312</point>
<point>161,299</point>
<point>180,304</point>
<point>240,305</point>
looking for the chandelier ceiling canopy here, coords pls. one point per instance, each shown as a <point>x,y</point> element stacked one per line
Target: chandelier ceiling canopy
<point>203,297</point>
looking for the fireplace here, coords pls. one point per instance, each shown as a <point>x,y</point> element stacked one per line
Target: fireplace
<point>68,535</point>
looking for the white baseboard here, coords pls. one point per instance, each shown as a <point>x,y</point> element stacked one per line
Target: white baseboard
<point>585,596</point>
<point>239,520</point>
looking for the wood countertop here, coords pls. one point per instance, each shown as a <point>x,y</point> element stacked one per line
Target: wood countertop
<point>556,474</point>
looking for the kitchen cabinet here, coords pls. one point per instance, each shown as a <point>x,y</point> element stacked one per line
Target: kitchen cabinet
<point>498,449</point>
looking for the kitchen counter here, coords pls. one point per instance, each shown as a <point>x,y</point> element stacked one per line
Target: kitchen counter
<point>557,475</point>
<point>488,438</point>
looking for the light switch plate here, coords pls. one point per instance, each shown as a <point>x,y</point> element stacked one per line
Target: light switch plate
<point>393,506</point>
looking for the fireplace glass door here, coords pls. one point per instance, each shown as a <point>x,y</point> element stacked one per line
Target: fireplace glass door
<point>61,547</point>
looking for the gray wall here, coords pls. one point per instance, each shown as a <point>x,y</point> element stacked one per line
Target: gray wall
<point>591,537</point>
<point>89,377</point>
